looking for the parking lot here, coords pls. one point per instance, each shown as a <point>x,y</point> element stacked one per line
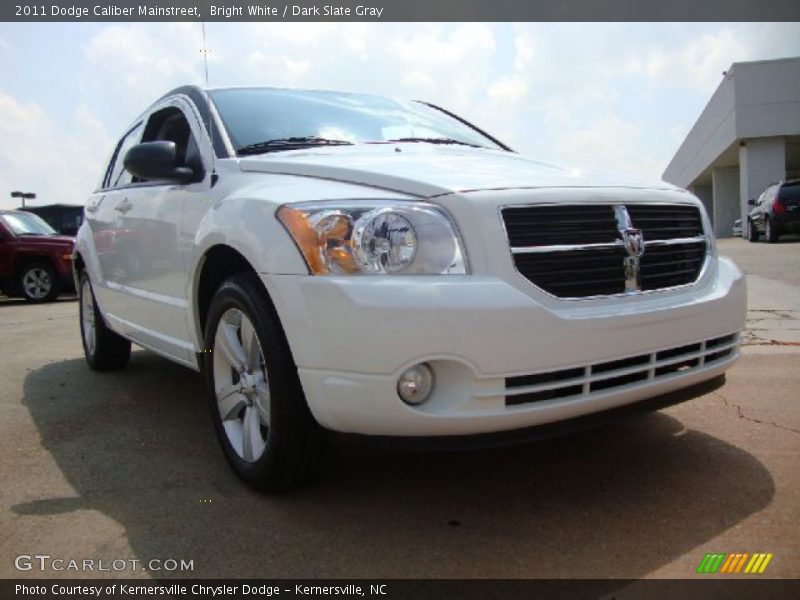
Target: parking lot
<point>126,466</point>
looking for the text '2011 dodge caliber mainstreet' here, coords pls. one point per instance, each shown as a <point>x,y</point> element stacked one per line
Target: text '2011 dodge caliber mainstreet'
<point>338,263</point>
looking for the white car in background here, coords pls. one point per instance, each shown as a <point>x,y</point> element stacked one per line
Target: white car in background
<point>339,263</point>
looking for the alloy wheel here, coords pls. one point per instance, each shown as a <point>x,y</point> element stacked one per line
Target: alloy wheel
<point>87,317</point>
<point>241,385</point>
<point>37,283</point>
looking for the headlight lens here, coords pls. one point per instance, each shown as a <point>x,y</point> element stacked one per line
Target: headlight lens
<point>384,241</point>
<point>374,238</point>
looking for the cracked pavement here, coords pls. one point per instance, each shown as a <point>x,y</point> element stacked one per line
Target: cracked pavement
<point>125,466</point>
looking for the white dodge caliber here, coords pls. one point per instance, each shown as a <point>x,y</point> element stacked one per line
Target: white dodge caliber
<point>341,264</point>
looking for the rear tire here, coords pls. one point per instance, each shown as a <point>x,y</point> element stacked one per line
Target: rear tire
<point>257,404</point>
<point>752,234</point>
<point>104,349</point>
<point>38,282</point>
<point>770,232</point>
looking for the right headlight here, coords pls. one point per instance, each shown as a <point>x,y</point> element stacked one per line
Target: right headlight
<point>374,238</point>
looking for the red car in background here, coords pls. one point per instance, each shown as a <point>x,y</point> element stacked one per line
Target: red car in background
<point>35,262</point>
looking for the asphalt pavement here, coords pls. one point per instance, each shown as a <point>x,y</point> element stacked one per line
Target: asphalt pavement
<point>125,467</point>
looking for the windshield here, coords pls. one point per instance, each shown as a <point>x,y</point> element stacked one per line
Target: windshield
<point>27,224</point>
<point>258,115</point>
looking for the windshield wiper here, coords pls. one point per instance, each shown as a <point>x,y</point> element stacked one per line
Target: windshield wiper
<point>289,143</point>
<point>435,140</point>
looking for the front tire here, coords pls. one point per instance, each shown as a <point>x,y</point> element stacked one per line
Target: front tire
<point>770,232</point>
<point>39,283</point>
<point>752,234</point>
<point>104,349</point>
<point>257,404</point>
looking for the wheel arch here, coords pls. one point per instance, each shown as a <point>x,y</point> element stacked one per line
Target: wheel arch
<point>26,260</point>
<point>78,267</point>
<point>218,263</point>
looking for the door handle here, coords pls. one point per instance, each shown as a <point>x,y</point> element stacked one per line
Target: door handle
<point>93,205</point>
<point>123,206</point>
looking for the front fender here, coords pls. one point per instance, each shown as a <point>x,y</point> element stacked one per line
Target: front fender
<point>243,218</point>
<point>85,248</point>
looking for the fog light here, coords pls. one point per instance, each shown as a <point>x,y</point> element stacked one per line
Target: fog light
<point>416,384</point>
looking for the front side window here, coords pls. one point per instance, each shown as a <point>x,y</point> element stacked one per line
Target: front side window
<point>27,224</point>
<point>170,125</point>
<point>118,176</point>
<point>258,115</point>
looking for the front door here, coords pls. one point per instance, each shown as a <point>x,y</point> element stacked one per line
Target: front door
<point>148,239</point>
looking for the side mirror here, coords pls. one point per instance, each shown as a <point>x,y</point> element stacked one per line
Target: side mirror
<point>157,160</point>
<point>751,202</point>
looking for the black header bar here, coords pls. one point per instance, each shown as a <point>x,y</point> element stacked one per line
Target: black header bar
<point>400,10</point>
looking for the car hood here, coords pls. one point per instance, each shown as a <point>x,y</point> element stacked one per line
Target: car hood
<point>428,170</point>
<point>48,240</point>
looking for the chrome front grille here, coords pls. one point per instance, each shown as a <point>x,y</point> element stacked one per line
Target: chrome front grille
<point>588,250</point>
<point>671,264</point>
<point>666,221</point>
<point>587,380</point>
<point>551,225</point>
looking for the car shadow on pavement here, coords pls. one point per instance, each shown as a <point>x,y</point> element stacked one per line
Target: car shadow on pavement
<point>617,502</point>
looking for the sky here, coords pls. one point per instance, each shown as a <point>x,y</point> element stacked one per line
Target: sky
<point>619,97</point>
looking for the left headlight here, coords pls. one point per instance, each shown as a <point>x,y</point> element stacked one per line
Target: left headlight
<point>374,238</point>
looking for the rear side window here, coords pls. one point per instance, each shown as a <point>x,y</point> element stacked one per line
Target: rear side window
<point>116,174</point>
<point>790,192</point>
<point>773,193</point>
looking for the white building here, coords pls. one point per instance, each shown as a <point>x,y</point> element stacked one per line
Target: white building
<point>747,137</point>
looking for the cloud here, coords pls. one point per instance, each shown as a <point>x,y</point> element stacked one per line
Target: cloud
<point>617,140</point>
<point>430,61</point>
<point>697,64</point>
<point>59,162</point>
<point>618,96</point>
<point>515,87</point>
<point>698,61</point>
<point>127,67</point>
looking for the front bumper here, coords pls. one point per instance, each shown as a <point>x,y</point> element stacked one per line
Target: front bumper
<point>525,435</point>
<point>353,336</point>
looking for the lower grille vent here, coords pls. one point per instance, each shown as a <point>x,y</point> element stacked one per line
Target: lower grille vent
<point>584,381</point>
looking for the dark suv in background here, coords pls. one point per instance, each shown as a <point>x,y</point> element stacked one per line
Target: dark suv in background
<point>776,211</point>
<point>35,262</point>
